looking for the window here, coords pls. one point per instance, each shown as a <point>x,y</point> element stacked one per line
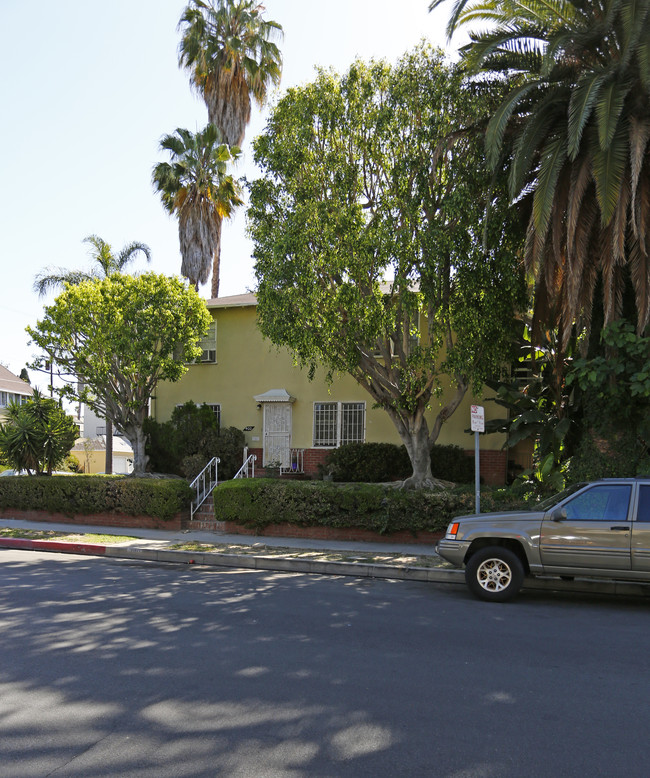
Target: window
<point>336,424</point>
<point>600,503</point>
<point>216,409</point>
<point>12,397</point>
<point>208,345</point>
<point>643,511</point>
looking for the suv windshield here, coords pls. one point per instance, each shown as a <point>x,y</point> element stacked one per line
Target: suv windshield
<point>549,502</point>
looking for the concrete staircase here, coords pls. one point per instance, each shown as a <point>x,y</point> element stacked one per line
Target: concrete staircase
<point>204,518</point>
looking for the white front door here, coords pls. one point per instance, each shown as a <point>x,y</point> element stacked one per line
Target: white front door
<point>277,433</point>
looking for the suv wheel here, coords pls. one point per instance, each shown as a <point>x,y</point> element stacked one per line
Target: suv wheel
<point>495,574</point>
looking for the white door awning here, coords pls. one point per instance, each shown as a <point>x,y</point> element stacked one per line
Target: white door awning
<point>275,396</point>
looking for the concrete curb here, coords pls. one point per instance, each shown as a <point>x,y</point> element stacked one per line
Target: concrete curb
<point>316,567</point>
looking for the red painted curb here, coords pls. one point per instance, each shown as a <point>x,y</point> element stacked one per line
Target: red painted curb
<point>89,549</point>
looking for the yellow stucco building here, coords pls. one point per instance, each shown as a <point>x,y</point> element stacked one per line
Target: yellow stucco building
<point>253,386</point>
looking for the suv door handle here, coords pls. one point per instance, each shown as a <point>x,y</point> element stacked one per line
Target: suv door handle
<point>620,529</point>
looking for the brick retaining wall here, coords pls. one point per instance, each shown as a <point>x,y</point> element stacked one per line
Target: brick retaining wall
<point>100,519</point>
<point>316,533</point>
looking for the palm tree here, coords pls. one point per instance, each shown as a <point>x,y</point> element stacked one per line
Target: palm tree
<point>197,188</point>
<point>227,46</point>
<point>574,131</point>
<point>106,263</point>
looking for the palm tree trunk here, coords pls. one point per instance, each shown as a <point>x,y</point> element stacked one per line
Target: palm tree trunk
<point>216,258</point>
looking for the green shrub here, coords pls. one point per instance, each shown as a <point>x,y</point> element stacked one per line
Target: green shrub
<point>368,463</point>
<point>160,498</point>
<point>185,444</point>
<point>381,462</point>
<point>259,502</point>
<point>618,455</point>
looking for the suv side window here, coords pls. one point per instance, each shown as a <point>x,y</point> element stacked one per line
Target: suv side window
<point>643,512</point>
<point>605,502</point>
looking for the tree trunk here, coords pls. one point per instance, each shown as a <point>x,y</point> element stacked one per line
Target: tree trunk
<point>137,439</point>
<point>108,464</point>
<point>417,445</point>
<point>216,258</point>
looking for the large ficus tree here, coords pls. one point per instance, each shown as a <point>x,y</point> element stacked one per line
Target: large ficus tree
<point>573,130</point>
<point>373,254</point>
<point>105,262</point>
<point>119,336</point>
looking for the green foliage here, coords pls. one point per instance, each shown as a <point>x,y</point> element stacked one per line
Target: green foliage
<point>382,462</point>
<point>610,455</point>
<point>37,435</point>
<point>451,463</point>
<point>259,502</point>
<point>88,495</point>
<point>197,187</point>
<point>185,444</point>
<point>541,410</point>
<point>105,263</point>
<point>616,383</point>
<point>119,336</point>
<point>378,175</point>
<point>615,387</point>
<point>573,130</point>
<point>368,463</point>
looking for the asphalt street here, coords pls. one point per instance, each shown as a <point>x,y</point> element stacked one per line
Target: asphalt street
<point>118,667</point>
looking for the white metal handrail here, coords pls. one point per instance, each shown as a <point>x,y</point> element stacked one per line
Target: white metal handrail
<point>203,485</point>
<point>296,461</point>
<point>247,470</point>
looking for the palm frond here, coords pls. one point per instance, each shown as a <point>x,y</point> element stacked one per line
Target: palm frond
<point>608,169</point>
<point>497,125</point>
<point>608,110</point>
<point>553,157</point>
<point>581,103</point>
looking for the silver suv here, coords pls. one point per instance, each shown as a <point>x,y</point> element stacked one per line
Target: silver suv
<point>599,529</point>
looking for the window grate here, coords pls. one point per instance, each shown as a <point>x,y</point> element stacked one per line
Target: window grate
<point>336,424</point>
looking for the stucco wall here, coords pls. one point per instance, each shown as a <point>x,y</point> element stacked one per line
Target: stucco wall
<point>247,366</point>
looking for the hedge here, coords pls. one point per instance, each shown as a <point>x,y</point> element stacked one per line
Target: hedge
<point>379,462</point>
<point>258,502</point>
<point>160,498</point>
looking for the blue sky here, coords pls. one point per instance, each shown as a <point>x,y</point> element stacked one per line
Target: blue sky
<point>89,89</point>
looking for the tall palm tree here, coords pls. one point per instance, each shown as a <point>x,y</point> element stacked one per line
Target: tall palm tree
<point>106,263</point>
<point>574,131</point>
<point>197,188</point>
<point>227,46</point>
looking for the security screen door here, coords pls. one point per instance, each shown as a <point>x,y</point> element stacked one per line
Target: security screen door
<point>277,433</point>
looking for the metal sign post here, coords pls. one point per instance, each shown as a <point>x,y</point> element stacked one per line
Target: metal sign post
<point>477,426</point>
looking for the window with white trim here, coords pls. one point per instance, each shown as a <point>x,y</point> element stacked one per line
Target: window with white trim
<point>337,423</point>
<point>216,409</point>
<point>208,345</point>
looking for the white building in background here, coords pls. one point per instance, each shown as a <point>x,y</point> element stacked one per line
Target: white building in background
<point>12,389</point>
<point>90,450</point>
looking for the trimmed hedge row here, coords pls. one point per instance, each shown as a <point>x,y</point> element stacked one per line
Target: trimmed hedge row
<point>379,462</point>
<point>259,502</point>
<point>160,498</point>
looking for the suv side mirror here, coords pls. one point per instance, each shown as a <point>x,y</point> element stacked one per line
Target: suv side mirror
<point>559,514</point>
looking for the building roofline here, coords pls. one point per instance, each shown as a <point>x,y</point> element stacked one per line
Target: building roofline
<point>11,383</point>
<point>233,301</point>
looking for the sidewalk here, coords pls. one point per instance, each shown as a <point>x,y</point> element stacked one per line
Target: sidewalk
<point>411,562</point>
<point>416,562</point>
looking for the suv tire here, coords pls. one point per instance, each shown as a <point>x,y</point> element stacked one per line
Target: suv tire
<point>495,574</point>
